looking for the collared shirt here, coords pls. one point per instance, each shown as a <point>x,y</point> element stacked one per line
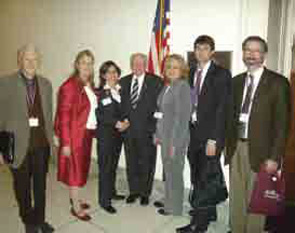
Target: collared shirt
<point>91,121</point>
<point>114,92</point>
<point>256,79</point>
<point>204,73</point>
<point>31,87</point>
<point>140,80</point>
<point>38,137</point>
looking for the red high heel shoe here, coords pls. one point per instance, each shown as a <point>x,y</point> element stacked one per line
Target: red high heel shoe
<point>84,205</point>
<point>78,214</point>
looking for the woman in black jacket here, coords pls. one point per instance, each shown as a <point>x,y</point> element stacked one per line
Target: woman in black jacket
<point>108,134</point>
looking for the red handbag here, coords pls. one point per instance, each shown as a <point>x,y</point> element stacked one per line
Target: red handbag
<point>268,195</point>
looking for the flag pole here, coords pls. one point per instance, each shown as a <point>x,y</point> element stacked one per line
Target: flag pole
<point>161,34</point>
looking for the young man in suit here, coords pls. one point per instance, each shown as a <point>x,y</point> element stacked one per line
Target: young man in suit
<point>139,92</point>
<point>27,100</point>
<point>210,91</point>
<point>257,133</point>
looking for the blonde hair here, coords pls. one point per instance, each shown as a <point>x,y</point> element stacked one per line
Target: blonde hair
<point>79,56</point>
<point>141,55</point>
<point>180,60</point>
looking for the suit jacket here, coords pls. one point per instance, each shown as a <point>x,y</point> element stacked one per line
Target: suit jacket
<point>14,113</point>
<point>107,115</point>
<point>175,104</point>
<point>269,117</point>
<point>212,106</point>
<point>142,121</point>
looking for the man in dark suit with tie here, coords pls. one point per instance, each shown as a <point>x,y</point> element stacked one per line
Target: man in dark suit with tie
<point>258,131</point>
<point>139,92</point>
<point>210,90</point>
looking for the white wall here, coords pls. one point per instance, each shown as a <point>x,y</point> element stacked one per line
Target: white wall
<point>287,37</point>
<point>114,29</point>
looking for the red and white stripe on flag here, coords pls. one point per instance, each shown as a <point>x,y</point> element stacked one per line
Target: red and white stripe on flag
<point>160,48</point>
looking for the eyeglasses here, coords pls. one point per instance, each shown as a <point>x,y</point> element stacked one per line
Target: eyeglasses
<point>251,51</point>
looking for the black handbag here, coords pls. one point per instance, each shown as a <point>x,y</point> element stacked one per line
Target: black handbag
<point>215,191</point>
<point>7,146</point>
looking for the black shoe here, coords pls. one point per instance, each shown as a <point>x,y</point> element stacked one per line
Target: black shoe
<point>110,209</point>
<point>158,204</point>
<point>118,197</point>
<point>199,231</point>
<point>163,212</point>
<point>144,201</point>
<point>44,228</point>
<point>132,198</point>
<point>186,229</point>
<point>190,228</point>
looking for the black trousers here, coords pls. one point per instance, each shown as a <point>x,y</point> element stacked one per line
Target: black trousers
<point>109,149</point>
<point>31,175</point>
<point>198,161</point>
<point>141,162</point>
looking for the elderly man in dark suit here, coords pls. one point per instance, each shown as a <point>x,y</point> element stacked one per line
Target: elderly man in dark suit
<point>26,103</point>
<point>258,131</point>
<point>139,93</point>
<point>210,90</point>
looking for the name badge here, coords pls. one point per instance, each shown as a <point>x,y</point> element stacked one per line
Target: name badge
<point>244,117</point>
<point>194,117</point>
<point>106,101</point>
<point>33,122</point>
<point>158,115</point>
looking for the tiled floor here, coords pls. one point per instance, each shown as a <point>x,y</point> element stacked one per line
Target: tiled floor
<point>130,218</point>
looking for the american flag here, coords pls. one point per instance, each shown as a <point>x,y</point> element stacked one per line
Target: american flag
<point>160,49</point>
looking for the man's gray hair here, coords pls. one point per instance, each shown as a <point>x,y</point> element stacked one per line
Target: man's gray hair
<point>27,48</point>
<point>135,55</point>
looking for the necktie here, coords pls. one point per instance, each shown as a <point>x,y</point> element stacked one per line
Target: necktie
<point>31,89</point>
<point>31,92</point>
<point>134,93</point>
<point>196,88</point>
<point>247,101</point>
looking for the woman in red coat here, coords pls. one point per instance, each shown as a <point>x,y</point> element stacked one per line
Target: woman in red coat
<point>74,124</point>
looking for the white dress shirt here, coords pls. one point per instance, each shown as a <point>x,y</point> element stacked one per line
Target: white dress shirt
<point>256,79</point>
<point>114,92</point>
<point>91,121</point>
<point>140,80</point>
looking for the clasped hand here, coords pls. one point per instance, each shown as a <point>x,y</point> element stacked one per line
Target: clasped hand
<point>122,125</point>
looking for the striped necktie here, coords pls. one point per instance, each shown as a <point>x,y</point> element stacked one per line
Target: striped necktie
<point>134,93</point>
<point>247,101</point>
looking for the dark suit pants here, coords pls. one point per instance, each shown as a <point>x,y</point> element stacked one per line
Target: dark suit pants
<point>109,149</point>
<point>198,161</point>
<point>141,161</point>
<point>32,173</point>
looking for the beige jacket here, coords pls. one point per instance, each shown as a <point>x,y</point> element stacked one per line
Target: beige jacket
<point>14,112</point>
